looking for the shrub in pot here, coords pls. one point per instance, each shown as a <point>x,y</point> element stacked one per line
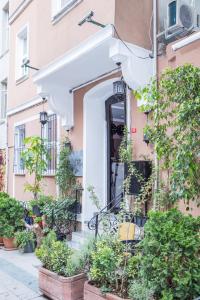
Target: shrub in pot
<point>8,237</point>
<point>110,270</point>
<point>25,241</point>
<point>11,218</point>
<point>168,260</point>
<point>60,278</point>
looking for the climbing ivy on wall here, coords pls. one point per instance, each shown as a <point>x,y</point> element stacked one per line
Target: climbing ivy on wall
<point>174,130</point>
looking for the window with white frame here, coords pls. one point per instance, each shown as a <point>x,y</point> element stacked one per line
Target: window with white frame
<point>5,28</point>
<point>49,134</point>
<point>22,53</point>
<point>3,100</point>
<point>18,148</point>
<point>60,5</point>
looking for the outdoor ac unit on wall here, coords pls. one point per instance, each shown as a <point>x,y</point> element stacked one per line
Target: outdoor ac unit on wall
<point>182,16</point>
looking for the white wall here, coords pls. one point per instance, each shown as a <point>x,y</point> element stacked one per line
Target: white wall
<point>95,146</point>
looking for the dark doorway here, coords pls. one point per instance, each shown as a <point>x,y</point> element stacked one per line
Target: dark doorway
<point>116,122</point>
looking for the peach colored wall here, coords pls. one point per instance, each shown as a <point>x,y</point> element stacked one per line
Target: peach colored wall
<point>32,127</point>
<point>138,120</point>
<point>133,21</point>
<point>48,41</point>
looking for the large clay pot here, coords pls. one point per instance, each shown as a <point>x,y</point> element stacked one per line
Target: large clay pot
<point>93,293</point>
<point>9,244</point>
<point>61,288</point>
<point>1,241</point>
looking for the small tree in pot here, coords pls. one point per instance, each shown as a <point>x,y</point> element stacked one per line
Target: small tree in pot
<point>35,158</point>
<point>60,278</point>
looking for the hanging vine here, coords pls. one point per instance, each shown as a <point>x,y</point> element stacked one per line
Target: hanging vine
<point>174,130</point>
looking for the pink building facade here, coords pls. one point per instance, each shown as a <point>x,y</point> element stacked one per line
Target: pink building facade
<point>74,69</point>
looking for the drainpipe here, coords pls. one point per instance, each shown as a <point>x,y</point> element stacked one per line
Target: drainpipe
<point>156,161</point>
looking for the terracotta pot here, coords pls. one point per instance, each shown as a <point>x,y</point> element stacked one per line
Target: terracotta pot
<point>9,244</point>
<point>93,293</point>
<point>1,241</point>
<point>61,288</point>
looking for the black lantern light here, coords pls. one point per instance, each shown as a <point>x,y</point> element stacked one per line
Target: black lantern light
<point>145,136</point>
<point>119,88</point>
<point>43,117</point>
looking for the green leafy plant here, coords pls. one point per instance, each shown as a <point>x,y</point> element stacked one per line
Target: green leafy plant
<point>41,202</point>
<point>8,231</point>
<point>169,261</point>
<point>56,256</point>
<point>60,215</point>
<point>65,177</point>
<point>109,266</point>
<point>11,216</point>
<point>174,130</point>
<point>22,238</point>
<point>35,158</point>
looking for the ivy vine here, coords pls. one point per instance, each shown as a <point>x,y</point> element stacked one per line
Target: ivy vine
<point>174,130</point>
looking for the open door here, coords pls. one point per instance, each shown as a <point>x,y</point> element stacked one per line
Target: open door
<point>116,122</point>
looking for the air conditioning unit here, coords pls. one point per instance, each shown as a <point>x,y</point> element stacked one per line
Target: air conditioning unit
<point>181,17</point>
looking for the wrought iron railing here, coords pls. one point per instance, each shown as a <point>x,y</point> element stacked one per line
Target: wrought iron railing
<point>110,208</point>
<point>108,216</point>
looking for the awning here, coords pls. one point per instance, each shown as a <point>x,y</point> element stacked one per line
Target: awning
<point>92,58</point>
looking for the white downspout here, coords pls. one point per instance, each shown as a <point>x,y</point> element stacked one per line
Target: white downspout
<point>156,161</point>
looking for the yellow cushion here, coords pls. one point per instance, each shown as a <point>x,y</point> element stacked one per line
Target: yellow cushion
<point>126,231</point>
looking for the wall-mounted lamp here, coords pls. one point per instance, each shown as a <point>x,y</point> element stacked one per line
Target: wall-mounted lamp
<point>119,88</point>
<point>43,117</point>
<point>145,136</point>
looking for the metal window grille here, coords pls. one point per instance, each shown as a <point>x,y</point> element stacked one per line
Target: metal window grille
<point>49,134</point>
<point>18,148</point>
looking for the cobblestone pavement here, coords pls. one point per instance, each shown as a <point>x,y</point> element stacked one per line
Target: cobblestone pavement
<point>19,276</point>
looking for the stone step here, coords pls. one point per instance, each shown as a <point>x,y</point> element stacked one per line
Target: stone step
<point>79,238</point>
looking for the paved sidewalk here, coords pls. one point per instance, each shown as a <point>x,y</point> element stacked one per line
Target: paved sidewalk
<point>19,276</point>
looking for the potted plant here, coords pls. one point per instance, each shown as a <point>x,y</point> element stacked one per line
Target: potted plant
<point>110,270</point>
<point>60,278</point>
<point>8,237</point>
<point>60,216</point>
<point>35,158</point>
<point>25,241</point>
<point>11,219</point>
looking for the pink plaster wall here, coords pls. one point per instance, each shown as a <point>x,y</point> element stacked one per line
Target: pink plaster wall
<point>32,127</point>
<point>133,21</point>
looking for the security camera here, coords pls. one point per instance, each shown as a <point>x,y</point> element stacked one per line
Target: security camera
<point>86,18</point>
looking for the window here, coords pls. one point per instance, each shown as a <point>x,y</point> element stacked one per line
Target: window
<point>18,148</point>
<point>60,7</point>
<point>22,53</point>
<point>172,13</point>
<point>49,134</point>
<point>3,100</point>
<point>5,28</point>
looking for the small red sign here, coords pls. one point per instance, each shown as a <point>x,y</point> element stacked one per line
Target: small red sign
<point>133,130</point>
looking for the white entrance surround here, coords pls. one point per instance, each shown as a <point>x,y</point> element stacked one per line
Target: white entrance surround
<point>95,146</point>
<point>94,57</point>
